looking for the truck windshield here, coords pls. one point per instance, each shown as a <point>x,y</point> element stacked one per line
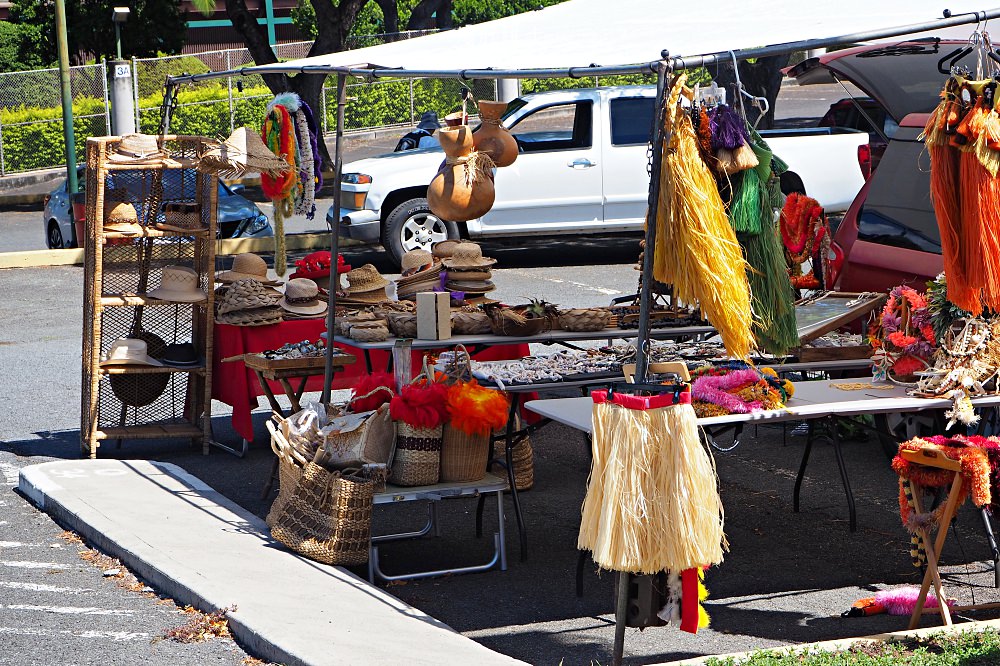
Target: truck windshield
<point>512,106</point>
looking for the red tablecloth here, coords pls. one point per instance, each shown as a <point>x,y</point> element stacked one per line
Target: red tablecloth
<point>235,385</point>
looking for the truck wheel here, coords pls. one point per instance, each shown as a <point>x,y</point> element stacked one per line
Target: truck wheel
<point>412,225</point>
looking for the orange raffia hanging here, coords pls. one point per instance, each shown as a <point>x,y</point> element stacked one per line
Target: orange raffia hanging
<point>696,248</point>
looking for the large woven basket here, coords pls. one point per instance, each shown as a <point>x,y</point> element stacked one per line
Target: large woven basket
<point>290,464</point>
<point>369,333</point>
<point>328,517</point>
<point>470,323</point>
<point>463,456</point>
<point>403,324</point>
<point>418,455</point>
<point>522,457</point>
<point>585,319</point>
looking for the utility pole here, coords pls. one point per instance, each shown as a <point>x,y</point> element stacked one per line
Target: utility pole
<point>67,97</point>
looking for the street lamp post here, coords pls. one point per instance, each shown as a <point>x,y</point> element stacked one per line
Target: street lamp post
<point>118,16</point>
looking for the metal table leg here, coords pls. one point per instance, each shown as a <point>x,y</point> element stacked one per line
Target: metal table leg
<point>621,612</point>
<point>993,547</point>
<point>842,466</point>
<point>802,469</point>
<point>515,402</point>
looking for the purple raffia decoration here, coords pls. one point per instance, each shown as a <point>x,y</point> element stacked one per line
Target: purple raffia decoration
<point>729,132</point>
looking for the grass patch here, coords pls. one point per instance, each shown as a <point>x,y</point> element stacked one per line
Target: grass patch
<point>967,648</point>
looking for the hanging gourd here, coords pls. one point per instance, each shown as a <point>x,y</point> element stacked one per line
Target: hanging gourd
<point>492,137</point>
<point>463,187</point>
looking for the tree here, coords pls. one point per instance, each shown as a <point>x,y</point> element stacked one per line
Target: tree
<point>17,52</point>
<point>154,27</point>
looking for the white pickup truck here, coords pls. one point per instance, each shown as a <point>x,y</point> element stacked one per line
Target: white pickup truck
<point>582,169</point>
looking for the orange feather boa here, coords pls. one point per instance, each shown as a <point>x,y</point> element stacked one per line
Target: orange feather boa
<point>476,410</point>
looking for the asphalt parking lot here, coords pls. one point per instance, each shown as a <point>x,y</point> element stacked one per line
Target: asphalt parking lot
<point>787,578</point>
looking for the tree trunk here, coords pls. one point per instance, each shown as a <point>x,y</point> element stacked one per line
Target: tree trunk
<point>423,15</point>
<point>761,78</point>
<point>390,16</point>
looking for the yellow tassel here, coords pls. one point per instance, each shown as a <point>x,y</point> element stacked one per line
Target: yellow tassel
<point>696,247</point>
<point>652,499</point>
<point>741,159</point>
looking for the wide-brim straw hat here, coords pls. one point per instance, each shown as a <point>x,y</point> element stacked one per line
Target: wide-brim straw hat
<point>137,149</point>
<point>468,255</point>
<point>129,351</point>
<point>365,279</point>
<point>402,291</point>
<point>246,294</point>
<point>302,298</point>
<point>243,151</point>
<point>246,265</point>
<point>256,317</point>
<point>484,274</point>
<point>444,249</point>
<point>180,284</point>
<point>432,273</point>
<point>471,286</point>
<point>364,298</point>
<point>417,258</point>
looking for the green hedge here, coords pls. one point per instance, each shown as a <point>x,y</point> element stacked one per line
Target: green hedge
<point>32,137</point>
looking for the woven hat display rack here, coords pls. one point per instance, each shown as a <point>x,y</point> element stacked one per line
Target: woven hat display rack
<point>126,261</point>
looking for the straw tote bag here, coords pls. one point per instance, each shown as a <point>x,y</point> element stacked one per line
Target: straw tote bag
<point>373,441</point>
<point>417,460</point>
<point>322,514</point>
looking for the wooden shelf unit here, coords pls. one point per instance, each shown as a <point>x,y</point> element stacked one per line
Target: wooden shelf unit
<point>138,401</point>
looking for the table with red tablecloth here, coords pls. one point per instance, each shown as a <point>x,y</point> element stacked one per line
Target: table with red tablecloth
<point>236,385</point>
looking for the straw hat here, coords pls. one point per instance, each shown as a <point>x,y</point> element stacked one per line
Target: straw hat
<point>365,279</point>
<point>181,217</point>
<point>258,317</point>
<point>128,351</point>
<point>415,259</point>
<point>137,149</point>
<point>121,217</point>
<point>302,297</point>
<point>246,265</point>
<point>407,290</point>
<point>243,151</point>
<point>445,248</point>
<point>470,286</point>
<point>484,274</point>
<point>468,255</point>
<point>246,294</point>
<point>180,284</point>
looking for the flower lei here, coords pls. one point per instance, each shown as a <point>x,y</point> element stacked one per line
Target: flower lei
<point>804,233</point>
<point>717,391</point>
<point>902,347</point>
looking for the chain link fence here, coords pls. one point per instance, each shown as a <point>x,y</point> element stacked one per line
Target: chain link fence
<point>31,124</point>
<point>31,128</point>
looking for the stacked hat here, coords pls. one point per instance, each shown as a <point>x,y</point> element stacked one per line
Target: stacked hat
<point>469,271</point>
<point>302,300</point>
<point>179,284</point>
<point>444,249</point>
<point>246,265</point>
<point>421,272</point>
<point>364,287</point>
<point>247,302</point>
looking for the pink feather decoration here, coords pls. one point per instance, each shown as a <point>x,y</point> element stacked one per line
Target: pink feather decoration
<point>715,389</point>
<point>902,600</point>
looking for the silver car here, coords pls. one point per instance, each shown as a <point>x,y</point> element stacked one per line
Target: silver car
<point>238,217</point>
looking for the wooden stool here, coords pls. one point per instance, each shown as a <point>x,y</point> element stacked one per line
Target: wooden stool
<point>929,457</point>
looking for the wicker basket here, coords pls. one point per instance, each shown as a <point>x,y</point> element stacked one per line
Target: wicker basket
<point>507,321</point>
<point>290,464</point>
<point>463,456</point>
<point>418,456</point>
<point>328,517</point>
<point>471,323</point>
<point>403,324</point>
<point>522,457</point>
<point>585,319</point>
<point>369,333</point>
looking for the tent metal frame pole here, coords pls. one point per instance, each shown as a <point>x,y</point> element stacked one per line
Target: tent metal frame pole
<point>653,203</point>
<point>677,62</point>
<point>338,163</point>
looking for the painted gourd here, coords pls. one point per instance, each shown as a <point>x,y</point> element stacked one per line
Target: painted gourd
<point>493,138</point>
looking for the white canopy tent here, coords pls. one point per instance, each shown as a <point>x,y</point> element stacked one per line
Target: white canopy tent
<point>578,33</point>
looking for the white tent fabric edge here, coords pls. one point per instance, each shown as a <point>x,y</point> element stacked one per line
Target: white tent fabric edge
<point>578,33</point>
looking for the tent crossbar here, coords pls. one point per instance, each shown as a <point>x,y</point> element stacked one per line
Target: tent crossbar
<point>676,62</point>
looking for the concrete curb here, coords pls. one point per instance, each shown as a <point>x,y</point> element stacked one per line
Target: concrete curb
<point>295,611</point>
<point>226,247</point>
<point>840,644</point>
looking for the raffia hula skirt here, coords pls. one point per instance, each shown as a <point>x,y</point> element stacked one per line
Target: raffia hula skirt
<point>652,500</point>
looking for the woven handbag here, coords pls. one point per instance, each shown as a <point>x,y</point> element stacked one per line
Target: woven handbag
<point>327,517</point>
<point>290,464</point>
<point>417,461</point>
<point>463,456</point>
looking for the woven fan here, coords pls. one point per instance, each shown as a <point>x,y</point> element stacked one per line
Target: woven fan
<point>243,151</point>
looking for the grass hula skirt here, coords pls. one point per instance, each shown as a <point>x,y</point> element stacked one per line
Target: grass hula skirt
<point>696,248</point>
<point>652,499</point>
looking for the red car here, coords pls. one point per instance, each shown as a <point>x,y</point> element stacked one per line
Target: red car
<point>889,235</point>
